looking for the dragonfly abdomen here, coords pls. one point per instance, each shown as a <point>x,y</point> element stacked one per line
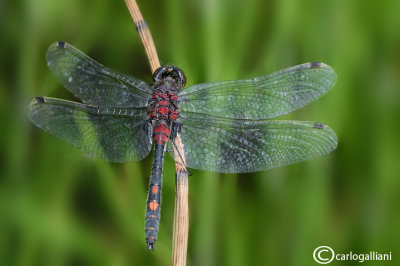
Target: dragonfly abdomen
<point>161,134</point>
<point>154,195</point>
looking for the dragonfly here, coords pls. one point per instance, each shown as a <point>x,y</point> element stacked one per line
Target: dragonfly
<point>224,126</point>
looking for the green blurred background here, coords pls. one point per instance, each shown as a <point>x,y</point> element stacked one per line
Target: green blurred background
<point>60,207</point>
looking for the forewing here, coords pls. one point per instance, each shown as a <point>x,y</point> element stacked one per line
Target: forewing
<point>260,98</point>
<point>94,83</point>
<point>115,135</point>
<point>240,146</point>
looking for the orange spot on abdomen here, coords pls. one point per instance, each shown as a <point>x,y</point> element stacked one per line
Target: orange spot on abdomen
<point>153,205</point>
<point>154,189</point>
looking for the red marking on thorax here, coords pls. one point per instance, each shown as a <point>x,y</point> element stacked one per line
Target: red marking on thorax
<point>173,116</point>
<point>163,110</point>
<point>164,105</point>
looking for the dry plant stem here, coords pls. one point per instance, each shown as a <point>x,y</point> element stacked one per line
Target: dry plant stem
<point>181,214</point>
<point>145,35</point>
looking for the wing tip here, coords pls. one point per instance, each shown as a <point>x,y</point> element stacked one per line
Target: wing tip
<point>31,108</point>
<point>316,64</point>
<point>61,44</point>
<point>330,73</point>
<point>58,44</point>
<point>319,125</point>
<point>331,135</point>
<point>37,100</point>
<point>327,68</point>
<point>53,50</point>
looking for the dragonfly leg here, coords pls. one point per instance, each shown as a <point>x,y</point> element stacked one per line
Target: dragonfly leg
<point>175,129</point>
<point>147,127</point>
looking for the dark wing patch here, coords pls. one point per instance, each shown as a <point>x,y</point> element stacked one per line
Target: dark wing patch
<point>94,83</point>
<point>115,135</point>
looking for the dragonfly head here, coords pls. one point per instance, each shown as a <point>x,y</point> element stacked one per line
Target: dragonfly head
<point>170,73</point>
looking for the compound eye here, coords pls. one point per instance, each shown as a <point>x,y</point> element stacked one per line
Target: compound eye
<point>158,74</point>
<point>180,76</point>
<point>183,77</point>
